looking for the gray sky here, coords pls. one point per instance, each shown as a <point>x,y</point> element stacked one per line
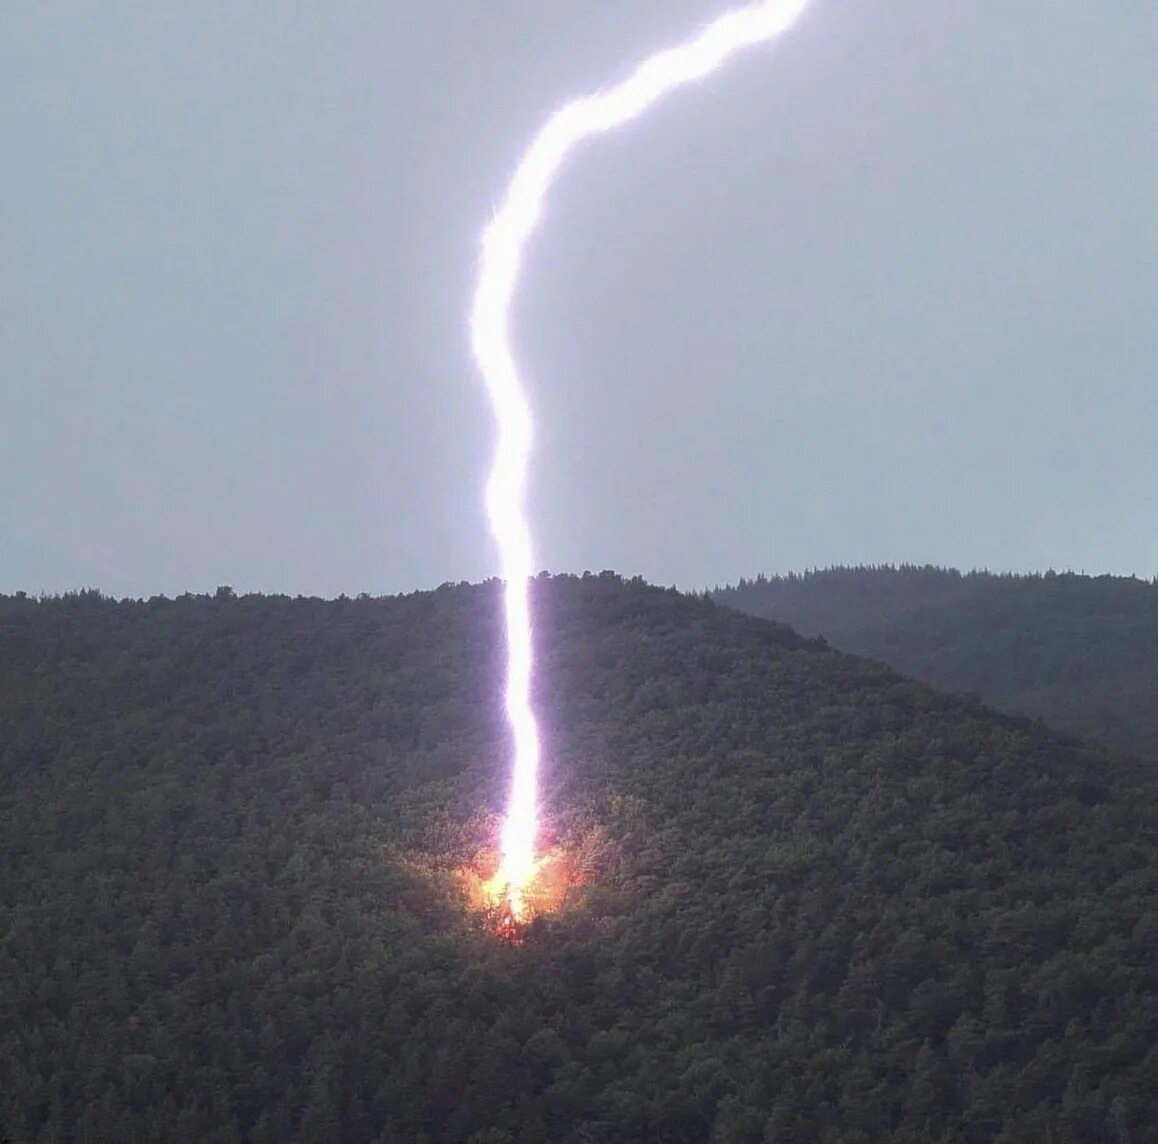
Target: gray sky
<point>883,292</point>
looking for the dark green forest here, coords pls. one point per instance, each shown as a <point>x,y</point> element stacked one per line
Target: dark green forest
<point>821,902</point>
<point>1080,652</point>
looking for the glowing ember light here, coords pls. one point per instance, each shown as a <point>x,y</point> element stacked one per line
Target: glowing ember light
<point>504,245</point>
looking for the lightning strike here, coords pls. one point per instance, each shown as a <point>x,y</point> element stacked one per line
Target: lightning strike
<point>503,250</point>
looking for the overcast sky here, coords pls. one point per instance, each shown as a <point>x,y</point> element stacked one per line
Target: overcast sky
<point>884,292</point>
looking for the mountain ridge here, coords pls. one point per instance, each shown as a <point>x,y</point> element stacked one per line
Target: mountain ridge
<point>827,903</point>
<point>1080,652</point>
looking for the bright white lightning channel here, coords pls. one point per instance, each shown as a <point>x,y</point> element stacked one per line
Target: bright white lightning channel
<point>504,245</point>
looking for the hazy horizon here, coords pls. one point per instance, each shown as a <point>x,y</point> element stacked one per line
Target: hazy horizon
<point>749,576</point>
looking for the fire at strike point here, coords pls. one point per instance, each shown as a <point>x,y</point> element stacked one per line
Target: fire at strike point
<point>555,876</point>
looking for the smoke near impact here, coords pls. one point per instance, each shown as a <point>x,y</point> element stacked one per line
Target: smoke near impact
<point>504,247</point>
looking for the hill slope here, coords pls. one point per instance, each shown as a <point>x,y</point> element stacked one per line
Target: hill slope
<point>824,902</point>
<point>1080,652</point>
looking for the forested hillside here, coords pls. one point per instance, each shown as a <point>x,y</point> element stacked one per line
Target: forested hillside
<point>1080,652</point>
<point>820,902</point>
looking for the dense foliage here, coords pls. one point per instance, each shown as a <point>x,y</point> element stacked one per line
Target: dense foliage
<point>823,903</point>
<point>1080,652</point>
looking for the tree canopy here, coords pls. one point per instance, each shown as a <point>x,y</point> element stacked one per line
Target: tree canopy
<point>1080,652</point>
<point>821,902</point>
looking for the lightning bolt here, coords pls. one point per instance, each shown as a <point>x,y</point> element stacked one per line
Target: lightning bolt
<point>504,248</point>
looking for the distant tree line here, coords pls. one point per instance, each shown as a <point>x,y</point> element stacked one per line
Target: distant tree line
<point>1080,652</point>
